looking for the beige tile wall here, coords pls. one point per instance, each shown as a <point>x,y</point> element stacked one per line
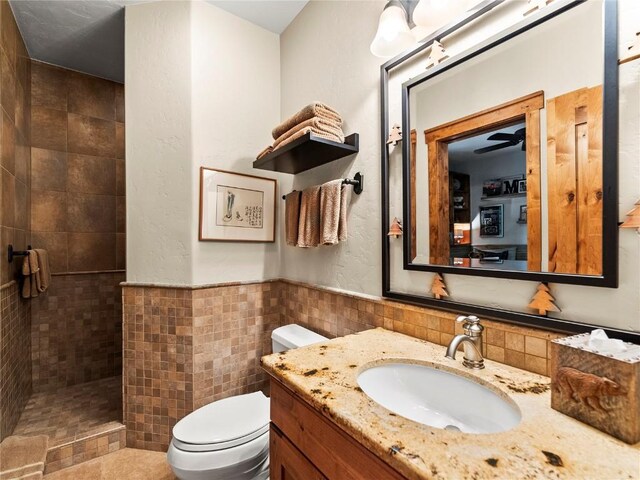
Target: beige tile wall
<point>333,313</point>
<point>15,117</point>
<point>76,330</point>
<point>15,362</point>
<point>78,215</point>
<point>184,348</point>
<point>77,169</point>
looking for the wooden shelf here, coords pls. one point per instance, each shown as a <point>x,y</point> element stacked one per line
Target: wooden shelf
<point>307,152</point>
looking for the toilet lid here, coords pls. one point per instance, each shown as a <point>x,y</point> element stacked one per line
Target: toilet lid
<point>223,424</point>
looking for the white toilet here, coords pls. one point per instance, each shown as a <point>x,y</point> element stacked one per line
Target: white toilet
<point>229,439</point>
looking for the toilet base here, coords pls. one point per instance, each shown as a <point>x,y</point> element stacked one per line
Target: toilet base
<point>244,462</point>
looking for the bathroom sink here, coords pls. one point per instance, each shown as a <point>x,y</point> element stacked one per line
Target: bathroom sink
<point>438,398</point>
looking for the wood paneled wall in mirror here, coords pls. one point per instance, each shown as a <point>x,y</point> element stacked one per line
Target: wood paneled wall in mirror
<point>505,172</point>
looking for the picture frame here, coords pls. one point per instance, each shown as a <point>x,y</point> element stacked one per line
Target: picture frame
<point>523,214</point>
<point>522,186</point>
<point>492,220</point>
<point>492,187</point>
<point>236,207</point>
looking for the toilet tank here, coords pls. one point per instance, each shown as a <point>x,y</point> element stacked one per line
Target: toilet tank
<point>293,336</point>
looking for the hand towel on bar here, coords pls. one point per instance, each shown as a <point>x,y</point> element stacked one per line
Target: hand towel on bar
<point>266,151</point>
<point>43,278</point>
<point>304,131</point>
<point>292,217</point>
<point>309,223</point>
<point>315,109</point>
<point>345,201</point>
<point>30,269</point>
<point>317,126</point>
<point>334,197</point>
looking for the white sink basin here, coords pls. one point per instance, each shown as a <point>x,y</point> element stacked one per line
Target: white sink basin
<point>439,399</point>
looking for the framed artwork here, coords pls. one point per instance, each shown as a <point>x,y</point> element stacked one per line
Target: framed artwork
<point>491,188</point>
<point>522,186</point>
<point>523,214</point>
<point>235,207</point>
<point>492,221</point>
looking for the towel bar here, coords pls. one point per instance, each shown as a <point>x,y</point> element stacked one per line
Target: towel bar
<point>357,182</point>
<point>16,253</point>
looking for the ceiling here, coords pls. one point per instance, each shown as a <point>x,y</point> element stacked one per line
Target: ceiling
<point>462,150</point>
<point>88,35</point>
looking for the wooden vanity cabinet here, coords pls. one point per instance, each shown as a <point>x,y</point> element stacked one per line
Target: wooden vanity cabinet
<point>306,446</point>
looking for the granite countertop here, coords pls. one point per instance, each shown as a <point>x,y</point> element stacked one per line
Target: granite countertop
<point>545,445</point>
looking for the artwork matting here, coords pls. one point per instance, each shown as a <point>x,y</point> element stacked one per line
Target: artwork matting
<point>236,207</point>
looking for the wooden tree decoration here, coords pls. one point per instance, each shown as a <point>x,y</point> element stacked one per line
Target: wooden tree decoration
<point>395,135</point>
<point>633,52</point>
<point>438,288</point>
<point>437,55</point>
<point>633,217</point>
<point>534,5</point>
<point>543,300</point>
<point>396,228</point>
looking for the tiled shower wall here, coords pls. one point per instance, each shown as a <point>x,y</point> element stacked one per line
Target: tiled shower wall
<point>15,354</point>
<point>15,364</point>
<point>184,348</point>
<point>76,330</point>
<point>187,347</point>
<point>78,216</point>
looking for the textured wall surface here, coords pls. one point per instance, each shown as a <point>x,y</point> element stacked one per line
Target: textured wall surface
<point>184,348</point>
<point>211,100</point>
<point>15,185</point>
<point>159,176</point>
<point>341,71</point>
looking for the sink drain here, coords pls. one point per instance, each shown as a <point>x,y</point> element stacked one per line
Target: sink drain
<point>453,428</point>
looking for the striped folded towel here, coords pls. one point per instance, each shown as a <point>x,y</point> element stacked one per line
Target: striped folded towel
<point>317,126</point>
<point>312,110</point>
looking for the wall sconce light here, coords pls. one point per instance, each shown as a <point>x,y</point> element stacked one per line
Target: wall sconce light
<point>403,23</point>
<point>393,35</point>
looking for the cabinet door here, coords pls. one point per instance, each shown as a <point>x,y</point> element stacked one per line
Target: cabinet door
<point>287,462</point>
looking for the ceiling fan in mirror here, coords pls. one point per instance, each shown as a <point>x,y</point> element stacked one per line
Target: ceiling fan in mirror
<point>508,139</point>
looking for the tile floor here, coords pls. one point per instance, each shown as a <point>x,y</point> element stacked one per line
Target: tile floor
<point>73,412</point>
<point>125,464</point>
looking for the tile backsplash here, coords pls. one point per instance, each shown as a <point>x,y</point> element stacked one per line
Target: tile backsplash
<point>186,347</point>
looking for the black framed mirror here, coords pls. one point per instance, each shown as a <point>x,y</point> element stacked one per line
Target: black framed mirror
<point>511,170</point>
<point>607,269</point>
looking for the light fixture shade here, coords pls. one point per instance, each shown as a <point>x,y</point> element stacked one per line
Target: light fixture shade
<point>393,35</point>
<point>433,14</point>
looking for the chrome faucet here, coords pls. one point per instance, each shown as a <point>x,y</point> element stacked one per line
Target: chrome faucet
<point>472,341</point>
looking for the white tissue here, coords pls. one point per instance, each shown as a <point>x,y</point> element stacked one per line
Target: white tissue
<point>599,341</point>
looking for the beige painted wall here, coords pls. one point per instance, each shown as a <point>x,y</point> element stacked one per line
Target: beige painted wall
<point>325,56</point>
<point>203,89</point>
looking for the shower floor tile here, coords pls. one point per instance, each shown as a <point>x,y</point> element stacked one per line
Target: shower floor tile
<point>73,412</point>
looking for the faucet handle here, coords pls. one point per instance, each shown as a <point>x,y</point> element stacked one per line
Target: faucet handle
<point>471,325</point>
<point>468,319</point>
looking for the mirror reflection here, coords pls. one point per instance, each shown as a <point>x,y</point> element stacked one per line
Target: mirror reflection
<point>506,171</point>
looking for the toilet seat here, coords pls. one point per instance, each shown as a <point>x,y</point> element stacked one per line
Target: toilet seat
<point>223,424</point>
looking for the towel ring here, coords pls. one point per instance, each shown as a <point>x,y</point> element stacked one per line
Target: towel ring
<point>16,253</point>
<point>357,182</point>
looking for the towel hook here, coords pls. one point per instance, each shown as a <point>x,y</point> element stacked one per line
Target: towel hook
<point>16,253</point>
<point>357,182</point>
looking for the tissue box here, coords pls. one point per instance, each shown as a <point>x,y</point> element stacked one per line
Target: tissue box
<point>598,389</point>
